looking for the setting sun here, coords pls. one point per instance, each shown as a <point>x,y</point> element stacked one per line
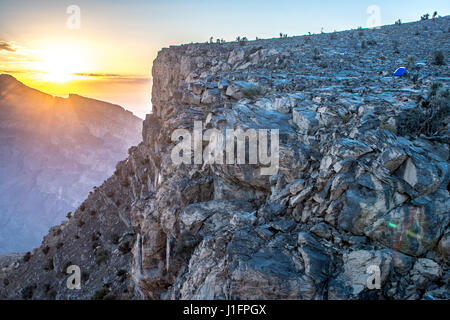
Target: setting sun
<point>60,64</point>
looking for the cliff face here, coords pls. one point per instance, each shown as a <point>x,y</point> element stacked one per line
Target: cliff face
<point>359,186</point>
<point>52,152</point>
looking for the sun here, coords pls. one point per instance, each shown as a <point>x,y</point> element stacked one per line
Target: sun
<point>61,64</point>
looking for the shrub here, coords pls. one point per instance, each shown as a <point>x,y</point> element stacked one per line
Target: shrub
<point>251,93</point>
<point>45,249</point>
<point>52,294</point>
<point>84,276</point>
<point>433,90</point>
<point>243,41</point>
<point>346,118</point>
<point>59,245</point>
<point>388,127</point>
<point>425,16</point>
<point>360,33</point>
<point>80,223</point>
<point>49,265</point>
<point>438,58</point>
<point>5,282</point>
<point>109,296</point>
<point>122,274</point>
<point>126,296</point>
<point>27,257</point>
<point>100,294</point>
<point>27,292</point>
<point>95,237</point>
<point>66,266</point>
<point>101,256</point>
<point>411,62</point>
<point>398,22</point>
<point>115,238</point>
<point>430,116</point>
<point>47,287</point>
<point>125,247</point>
<point>316,54</point>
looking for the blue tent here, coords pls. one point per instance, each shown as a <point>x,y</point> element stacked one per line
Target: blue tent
<point>401,72</point>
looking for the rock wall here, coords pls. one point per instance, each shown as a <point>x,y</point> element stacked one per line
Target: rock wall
<point>353,192</point>
<point>349,193</point>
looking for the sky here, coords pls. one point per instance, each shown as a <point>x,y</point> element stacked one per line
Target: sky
<point>105,49</point>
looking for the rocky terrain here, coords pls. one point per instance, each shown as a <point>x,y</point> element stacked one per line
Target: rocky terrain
<point>363,179</point>
<point>52,152</point>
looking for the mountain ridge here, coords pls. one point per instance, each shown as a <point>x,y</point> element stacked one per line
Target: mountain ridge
<point>51,145</point>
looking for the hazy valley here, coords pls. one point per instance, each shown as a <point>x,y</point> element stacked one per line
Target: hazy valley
<point>53,151</point>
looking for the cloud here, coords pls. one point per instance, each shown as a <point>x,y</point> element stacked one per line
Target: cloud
<point>133,79</point>
<point>115,77</point>
<point>6,46</point>
<point>12,71</point>
<point>103,75</point>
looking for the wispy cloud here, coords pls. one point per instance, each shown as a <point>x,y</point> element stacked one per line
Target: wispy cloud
<point>6,46</point>
<point>102,75</point>
<point>114,77</point>
<point>12,71</point>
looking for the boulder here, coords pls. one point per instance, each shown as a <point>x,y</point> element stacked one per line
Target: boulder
<point>305,119</point>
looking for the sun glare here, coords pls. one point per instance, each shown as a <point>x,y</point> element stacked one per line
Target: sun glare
<point>60,64</point>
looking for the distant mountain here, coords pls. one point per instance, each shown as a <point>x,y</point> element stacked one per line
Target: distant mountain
<point>53,151</point>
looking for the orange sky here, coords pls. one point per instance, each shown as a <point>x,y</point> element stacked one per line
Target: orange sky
<point>63,64</point>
